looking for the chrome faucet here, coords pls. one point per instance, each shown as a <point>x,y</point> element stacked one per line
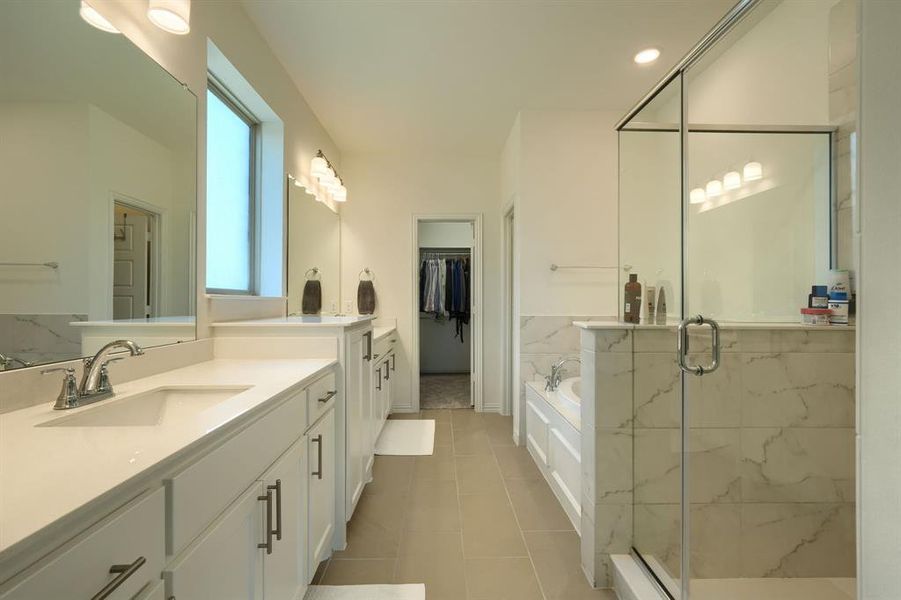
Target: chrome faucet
<point>95,380</point>
<point>7,361</point>
<point>553,380</point>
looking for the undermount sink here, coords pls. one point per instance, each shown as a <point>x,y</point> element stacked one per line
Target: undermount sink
<point>150,408</point>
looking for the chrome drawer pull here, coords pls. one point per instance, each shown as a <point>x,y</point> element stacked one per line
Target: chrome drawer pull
<point>123,572</point>
<point>328,396</point>
<point>318,471</point>
<point>268,500</point>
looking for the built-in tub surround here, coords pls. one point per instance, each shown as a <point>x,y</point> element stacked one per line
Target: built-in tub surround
<point>771,440</point>
<point>45,499</point>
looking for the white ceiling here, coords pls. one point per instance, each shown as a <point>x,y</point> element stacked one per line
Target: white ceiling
<point>450,75</point>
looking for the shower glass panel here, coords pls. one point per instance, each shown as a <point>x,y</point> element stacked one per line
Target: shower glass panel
<point>770,433</point>
<point>650,246</point>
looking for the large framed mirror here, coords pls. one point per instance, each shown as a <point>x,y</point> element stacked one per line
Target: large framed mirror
<point>98,162</point>
<point>314,255</point>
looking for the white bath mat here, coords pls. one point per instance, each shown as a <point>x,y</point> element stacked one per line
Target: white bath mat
<point>411,591</point>
<point>407,437</point>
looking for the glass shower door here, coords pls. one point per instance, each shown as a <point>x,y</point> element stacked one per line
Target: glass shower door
<point>650,247</point>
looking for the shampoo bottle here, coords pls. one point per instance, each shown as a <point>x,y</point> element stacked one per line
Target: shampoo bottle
<point>632,300</point>
<point>651,304</point>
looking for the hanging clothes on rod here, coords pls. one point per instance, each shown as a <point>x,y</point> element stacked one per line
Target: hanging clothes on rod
<point>444,286</point>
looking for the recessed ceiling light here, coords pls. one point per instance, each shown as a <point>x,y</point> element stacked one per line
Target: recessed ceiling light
<point>92,17</point>
<point>647,56</point>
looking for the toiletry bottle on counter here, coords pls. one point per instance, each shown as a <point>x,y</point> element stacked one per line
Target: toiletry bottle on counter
<point>661,307</point>
<point>838,306</point>
<point>651,303</point>
<point>632,300</point>
<point>818,298</point>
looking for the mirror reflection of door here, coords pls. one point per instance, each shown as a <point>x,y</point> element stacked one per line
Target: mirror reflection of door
<point>132,262</point>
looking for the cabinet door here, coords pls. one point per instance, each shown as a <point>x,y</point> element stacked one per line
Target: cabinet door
<point>321,490</point>
<point>285,569</point>
<point>354,398</point>
<point>225,562</point>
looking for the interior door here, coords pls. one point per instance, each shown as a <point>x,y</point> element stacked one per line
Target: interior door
<point>131,263</point>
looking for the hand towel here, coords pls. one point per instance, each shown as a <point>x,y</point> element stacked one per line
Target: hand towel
<point>311,303</point>
<point>366,298</point>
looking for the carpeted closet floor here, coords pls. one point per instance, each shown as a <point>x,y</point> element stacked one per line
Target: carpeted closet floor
<point>444,391</point>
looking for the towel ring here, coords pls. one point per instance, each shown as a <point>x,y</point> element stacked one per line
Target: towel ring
<point>366,271</point>
<point>314,271</point>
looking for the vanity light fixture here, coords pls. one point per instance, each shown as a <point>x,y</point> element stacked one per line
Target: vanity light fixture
<point>173,16</point>
<point>714,188</point>
<point>732,180</point>
<point>753,171</point>
<point>697,196</point>
<point>647,56</point>
<point>94,18</point>
<point>330,183</point>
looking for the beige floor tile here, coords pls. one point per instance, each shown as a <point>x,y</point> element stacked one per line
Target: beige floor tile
<point>433,506</point>
<point>439,415</point>
<point>375,529</point>
<point>435,559</point>
<point>478,475</point>
<point>410,415</point>
<point>471,441</point>
<point>516,463</point>
<point>359,571</point>
<point>557,560</point>
<point>444,434</point>
<point>500,435</point>
<point>467,419</point>
<point>391,474</point>
<point>501,579</point>
<point>536,507</point>
<point>439,465</point>
<point>489,528</point>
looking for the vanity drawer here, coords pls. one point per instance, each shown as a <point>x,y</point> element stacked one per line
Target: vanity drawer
<point>321,396</point>
<point>82,568</point>
<point>203,490</point>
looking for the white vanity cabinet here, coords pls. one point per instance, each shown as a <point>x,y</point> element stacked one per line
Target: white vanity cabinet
<point>122,554</point>
<point>357,412</point>
<point>380,395</point>
<point>320,441</point>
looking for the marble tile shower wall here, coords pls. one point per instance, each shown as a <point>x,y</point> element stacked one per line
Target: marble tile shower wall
<point>40,338</point>
<point>771,471</point>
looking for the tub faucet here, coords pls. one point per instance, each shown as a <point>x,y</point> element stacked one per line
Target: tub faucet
<point>7,361</point>
<point>553,380</point>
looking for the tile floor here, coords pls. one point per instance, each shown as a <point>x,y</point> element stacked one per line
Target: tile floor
<point>474,521</point>
<point>445,391</point>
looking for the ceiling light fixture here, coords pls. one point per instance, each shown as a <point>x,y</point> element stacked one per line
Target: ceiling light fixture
<point>753,171</point>
<point>95,19</point>
<point>697,196</point>
<point>647,56</point>
<point>173,16</point>
<point>732,180</point>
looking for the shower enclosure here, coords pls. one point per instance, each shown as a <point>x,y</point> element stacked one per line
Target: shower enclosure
<point>737,194</point>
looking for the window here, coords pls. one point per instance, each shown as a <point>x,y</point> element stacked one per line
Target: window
<point>231,195</point>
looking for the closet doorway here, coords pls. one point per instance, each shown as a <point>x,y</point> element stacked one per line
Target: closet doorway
<point>447,325</point>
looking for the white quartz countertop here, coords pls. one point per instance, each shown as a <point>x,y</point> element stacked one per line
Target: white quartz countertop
<point>151,322</point>
<point>380,332</point>
<point>46,473</point>
<point>299,321</point>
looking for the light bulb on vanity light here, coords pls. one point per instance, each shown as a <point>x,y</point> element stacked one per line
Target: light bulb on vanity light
<point>714,188</point>
<point>732,180</point>
<point>697,196</point>
<point>340,194</point>
<point>95,19</point>
<point>318,167</point>
<point>173,16</point>
<point>753,171</point>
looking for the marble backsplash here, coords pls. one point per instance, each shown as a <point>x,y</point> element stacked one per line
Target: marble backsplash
<point>40,338</point>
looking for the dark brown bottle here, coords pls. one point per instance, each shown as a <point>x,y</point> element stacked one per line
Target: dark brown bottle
<point>632,300</point>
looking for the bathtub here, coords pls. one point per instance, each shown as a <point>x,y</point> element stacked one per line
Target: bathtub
<point>554,439</point>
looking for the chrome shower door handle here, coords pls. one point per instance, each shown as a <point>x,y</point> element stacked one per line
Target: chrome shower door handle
<point>682,345</point>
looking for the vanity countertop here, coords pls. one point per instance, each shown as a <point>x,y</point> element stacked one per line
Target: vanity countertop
<point>299,321</point>
<point>151,322</point>
<point>381,331</point>
<point>47,473</point>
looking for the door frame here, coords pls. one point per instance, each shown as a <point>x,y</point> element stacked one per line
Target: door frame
<point>475,324</point>
<point>509,365</point>
<point>156,216</point>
